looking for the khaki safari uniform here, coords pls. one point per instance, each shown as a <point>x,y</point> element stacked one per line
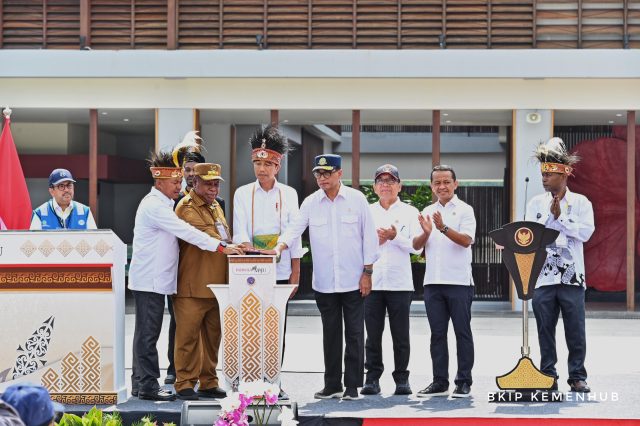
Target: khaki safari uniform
<point>196,309</point>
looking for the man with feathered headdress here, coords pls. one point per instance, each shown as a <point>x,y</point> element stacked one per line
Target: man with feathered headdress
<point>561,284</point>
<point>154,268</point>
<point>263,210</point>
<point>188,155</point>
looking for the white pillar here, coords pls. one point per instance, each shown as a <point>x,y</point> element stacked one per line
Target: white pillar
<point>530,127</point>
<point>171,126</point>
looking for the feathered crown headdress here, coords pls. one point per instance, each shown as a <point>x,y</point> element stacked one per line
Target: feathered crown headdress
<point>268,144</point>
<point>191,142</point>
<point>554,157</point>
<point>167,165</point>
<point>162,166</point>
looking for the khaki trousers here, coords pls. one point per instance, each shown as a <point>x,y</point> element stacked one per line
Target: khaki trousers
<point>197,342</point>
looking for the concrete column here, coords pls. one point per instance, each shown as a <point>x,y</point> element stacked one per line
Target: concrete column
<point>530,127</point>
<point>171,126</point>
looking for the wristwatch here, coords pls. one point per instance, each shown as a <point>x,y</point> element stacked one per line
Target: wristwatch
<point>368,271</point>
<point>221,247</point>
<point>444,229</point>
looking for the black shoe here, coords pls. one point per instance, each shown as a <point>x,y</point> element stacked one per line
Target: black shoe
<point>554,387</point>
<point>134,392</point>
<point>403,389</point>
<point>328,394</point>
<point>157,395</point>
<point>170,379</point>
<point>579,386</point>
<point>215,393</point>
<point>370,388</point>
<point>283,396</point>
<point>350,394</point>
<point>462,391</point>
<point>434,389</point>
<point>187,394</point>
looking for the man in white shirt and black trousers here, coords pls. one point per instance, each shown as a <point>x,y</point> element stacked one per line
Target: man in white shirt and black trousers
<point>344,246</point>
<point>561,284</point>
<point>449,228</point>
<point>154,269</point>
<point>397,224</point>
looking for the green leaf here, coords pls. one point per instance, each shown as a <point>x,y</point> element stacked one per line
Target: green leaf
<point>70,420</point>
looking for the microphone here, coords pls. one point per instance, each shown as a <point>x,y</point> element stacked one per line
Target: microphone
<point>526,187</point>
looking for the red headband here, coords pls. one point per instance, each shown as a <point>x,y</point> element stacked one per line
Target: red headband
<point>266,155</point>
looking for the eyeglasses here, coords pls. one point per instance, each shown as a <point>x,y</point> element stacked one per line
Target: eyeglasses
<point>323,173</point>
<point>386,181</point>
<point>63,186</point>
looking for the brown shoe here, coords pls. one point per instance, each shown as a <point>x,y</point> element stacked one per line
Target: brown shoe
<point>579,386</point>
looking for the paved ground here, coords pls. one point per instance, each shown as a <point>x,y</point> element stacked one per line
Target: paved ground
<point>612,362</point>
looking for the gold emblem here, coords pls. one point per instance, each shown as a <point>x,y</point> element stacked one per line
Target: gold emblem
<point>524,237</point>
<point>262,154</point>
<point>322,161</point>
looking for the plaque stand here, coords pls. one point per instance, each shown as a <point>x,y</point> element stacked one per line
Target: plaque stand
<point>252,315</point>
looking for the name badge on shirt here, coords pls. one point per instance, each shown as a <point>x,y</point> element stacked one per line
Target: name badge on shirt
<point>222,231</point>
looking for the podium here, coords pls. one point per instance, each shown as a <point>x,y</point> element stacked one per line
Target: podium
<point>252,315</point>
<point>524,256</point>
<point>62,311</point>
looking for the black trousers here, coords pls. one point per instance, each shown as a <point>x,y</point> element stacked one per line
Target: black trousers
<point>444,302</point>
<point>548,302</point>
<point>284,332</point>
<point>398,305</point>
<point>333,308</point>
<point>149,313</point>
<point>172,338</point>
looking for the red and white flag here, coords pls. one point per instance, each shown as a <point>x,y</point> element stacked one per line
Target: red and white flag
<point>15,204</point>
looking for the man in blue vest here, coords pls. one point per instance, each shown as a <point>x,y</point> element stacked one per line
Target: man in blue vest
<point>61,212</point>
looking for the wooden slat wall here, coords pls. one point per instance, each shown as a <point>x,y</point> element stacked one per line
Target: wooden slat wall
<point>332,24</point>
<point>323,24</point>
<point>198,24</point>
<point>633,23</point>
<point>421,24</point>
<point>242,21</point>
<point>287,24</point>
<point>512,24</point>
<point>128,24</point>
<point>22,24</point>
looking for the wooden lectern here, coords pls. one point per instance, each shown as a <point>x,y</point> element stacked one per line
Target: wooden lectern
<point>252,314</point>
<point>62,310</point>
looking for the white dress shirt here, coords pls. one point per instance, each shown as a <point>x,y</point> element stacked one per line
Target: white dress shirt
<point>63,214</point>
<point>446,261</point>
<point>154,261</point>
<point>392,271</point>
<point>565,258</point>
<point>343,238</point>
<point>273,212</point>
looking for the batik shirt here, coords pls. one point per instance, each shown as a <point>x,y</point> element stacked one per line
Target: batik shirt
<point>565,258</point>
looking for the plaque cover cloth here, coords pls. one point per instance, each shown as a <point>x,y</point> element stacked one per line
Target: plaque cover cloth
<point>63,293</point>
<point>524,252</point>
<point>252,310</point>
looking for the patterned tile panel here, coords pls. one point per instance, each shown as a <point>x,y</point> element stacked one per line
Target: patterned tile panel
<point>271,344</point>
<point>251,329</point>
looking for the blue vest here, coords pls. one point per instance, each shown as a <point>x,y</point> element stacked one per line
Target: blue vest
<point>50,220</point>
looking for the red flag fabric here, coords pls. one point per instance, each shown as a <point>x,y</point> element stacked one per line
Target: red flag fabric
<point>15,204</point>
